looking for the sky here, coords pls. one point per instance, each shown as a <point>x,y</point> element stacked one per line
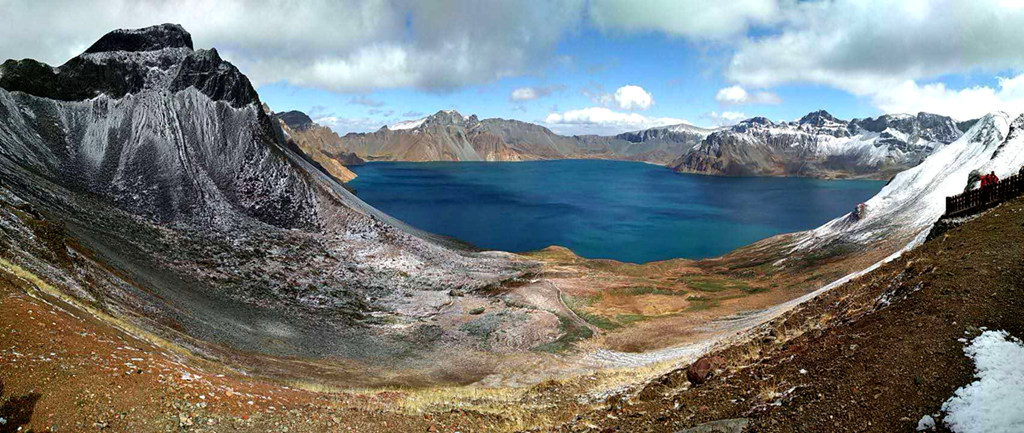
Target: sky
<point>579,66</point>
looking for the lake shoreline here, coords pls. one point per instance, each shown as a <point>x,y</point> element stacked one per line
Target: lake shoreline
<point>602,209</point>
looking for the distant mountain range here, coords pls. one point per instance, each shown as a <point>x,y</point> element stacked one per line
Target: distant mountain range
<point>818,145</point>
<point>449,136</point>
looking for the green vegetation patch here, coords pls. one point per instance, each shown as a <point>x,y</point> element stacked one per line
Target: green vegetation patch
<point>571,333</point>
<point>626,319</point>
<point>646,290</point>
<point>714,284</point>
<point>700,303</point>
<point>579,304</point>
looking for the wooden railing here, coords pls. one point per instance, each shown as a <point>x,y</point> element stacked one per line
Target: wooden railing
<point>980,198</point>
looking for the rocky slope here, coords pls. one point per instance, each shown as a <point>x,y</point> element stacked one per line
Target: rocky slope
<point>143,178</point>
<point>319,143</point>
<point>876,354</point>
<point>449,136</point>
<point>819,145</point>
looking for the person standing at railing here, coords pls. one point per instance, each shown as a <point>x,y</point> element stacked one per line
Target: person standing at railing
<point>988,183</point>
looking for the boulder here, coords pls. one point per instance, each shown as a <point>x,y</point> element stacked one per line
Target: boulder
<point>702,370</point>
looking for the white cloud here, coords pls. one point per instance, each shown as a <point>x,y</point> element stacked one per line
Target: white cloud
<point>881,50</point>
<point>603,120</point>
<point>632,97</point>
<point>344,125</point>
<point>628,97</point>
<point>345,45</point>
<point>699,19</point>
<point>530,93</point>
<point>524,94</point>
<point>969,103</point>
<point>737,95</point>
<point>725,118</point>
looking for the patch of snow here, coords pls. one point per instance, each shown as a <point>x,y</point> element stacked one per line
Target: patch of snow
<point>995,402</point>
<point>926,423</point>
<point>408,124</point>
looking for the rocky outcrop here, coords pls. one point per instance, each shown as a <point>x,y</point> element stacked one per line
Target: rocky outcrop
<point>132,62</point>
<point>820,145</point>
<point>153,38</point>
<point>319,144</point>
<point>169,133</point>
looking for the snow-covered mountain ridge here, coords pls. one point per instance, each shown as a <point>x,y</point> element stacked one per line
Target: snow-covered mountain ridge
<point>820,145</point>
<point>914,199</point>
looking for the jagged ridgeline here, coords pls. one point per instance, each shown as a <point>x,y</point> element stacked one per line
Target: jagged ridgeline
<point>182,207</point>
<point>820,145</point>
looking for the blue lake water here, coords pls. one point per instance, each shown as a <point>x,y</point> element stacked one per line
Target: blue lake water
<point>627,211</point>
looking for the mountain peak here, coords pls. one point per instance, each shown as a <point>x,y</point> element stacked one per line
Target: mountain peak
<point>446,114</point>
<point>758,120</point>
<point>818,118</point>
<point>445,117</point>
<point>295,119</point>
<point>151,38</point>
<point>131,62</point>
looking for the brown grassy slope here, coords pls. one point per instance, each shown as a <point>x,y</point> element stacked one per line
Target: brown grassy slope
<point>64,367</point>
<point>869,366</point>
<point>656,305</point>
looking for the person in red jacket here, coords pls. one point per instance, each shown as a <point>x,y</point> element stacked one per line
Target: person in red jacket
<point>992,178</point>
<point>984,180</point>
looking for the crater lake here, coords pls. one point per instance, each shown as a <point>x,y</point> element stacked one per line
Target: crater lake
<point>627,211</point>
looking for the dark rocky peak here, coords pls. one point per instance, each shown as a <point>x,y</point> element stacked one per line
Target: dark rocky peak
<point>664,132</point>
<point>752,123</point>
<point>445,118</point>
<point>872,124</point>
<point>819,118</point>
<point>115,67</point>
<point>1016,129</point>
<point>759,120</point>
<point>965,125</point>
<point>145,39</point>
<point>928,126</point>
<point>296,120</point>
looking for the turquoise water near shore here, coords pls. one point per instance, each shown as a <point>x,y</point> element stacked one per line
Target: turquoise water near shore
<point>626,211</point>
